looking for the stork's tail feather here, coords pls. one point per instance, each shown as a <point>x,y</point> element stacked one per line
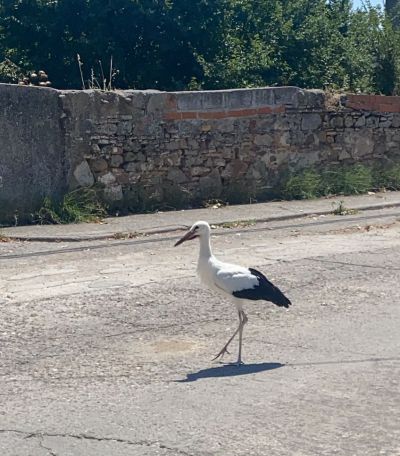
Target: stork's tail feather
<point>282,301</point>
<point>272,293</point>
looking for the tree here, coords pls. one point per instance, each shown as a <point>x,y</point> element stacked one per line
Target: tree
<point>176,44</point>
<point>392,8</point>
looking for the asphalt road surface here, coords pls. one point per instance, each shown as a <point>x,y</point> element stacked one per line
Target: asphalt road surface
<point>106,347</point>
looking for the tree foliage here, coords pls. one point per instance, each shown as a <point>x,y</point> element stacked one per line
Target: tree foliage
<point>180,44</point>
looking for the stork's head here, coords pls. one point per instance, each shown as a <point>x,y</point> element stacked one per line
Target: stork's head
<point>199,229</point>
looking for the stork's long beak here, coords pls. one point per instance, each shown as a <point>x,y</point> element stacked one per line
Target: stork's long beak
<point>187,237</point>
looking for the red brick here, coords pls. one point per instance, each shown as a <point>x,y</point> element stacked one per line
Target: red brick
<point>356,106</point>
<point>270,109</point>
<point>378,103</point>
<point>207,115</point>
<point>189,115</point>
<point>173,116</point>
<point>242,112</point>
<point>212,115</point>
<point>388,107</point>
<point>264,110</point>
<point>359,98</point>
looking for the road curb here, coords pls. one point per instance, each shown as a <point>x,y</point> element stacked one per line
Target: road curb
<point>120,235</point>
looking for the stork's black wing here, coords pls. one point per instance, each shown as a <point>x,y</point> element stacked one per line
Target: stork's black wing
<point>265,290</point>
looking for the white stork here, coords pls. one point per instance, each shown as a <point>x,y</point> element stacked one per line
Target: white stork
<point>239,283</point>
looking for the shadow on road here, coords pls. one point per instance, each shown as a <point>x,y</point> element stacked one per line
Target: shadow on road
<point>230,370</point>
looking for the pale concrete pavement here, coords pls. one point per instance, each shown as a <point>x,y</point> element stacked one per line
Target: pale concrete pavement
<point>105,346</point>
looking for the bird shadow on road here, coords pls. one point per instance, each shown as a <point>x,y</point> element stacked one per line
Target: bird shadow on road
<point>230,370</point>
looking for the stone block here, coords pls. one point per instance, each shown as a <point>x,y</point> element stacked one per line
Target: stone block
<point>206,127</point>
<point>176,175</point>
<point>173,159</point>
<point>175,145</point>
<point>199,171</point>
<point>83,175</point>
<point>312,99</point>
<point>95,149</point>
<point>116,161</point>
<point>344,155</point>
<point>287,96</point>
<point>130,145</point>
<point>134,177</point>
<point>238,99</point>
<point>263,140</point>
<point>396,121</point>
<point>213,100</point>
<point>257,170</point>
<point>98,165</point>
<point>156,102</point>
<point>372,121</point>
<point>107,129</point>
<point>113,193</point>
<point>263,97</point>
<point>211,185</point>
<point>121,176</point>
<point>348,121</point>
<point>385,123</point>
<point>337,122</point>
<point>360,144</point>
<point>124,128</point>
<point>311,121</point>
<point>234,169</point>
<point>189,101</point>
<point>115,150</point>
<point>219,162</point>
<point>282,139</point>
<point>360,122</point>
<point>107,179</point>
<point>129,157</point>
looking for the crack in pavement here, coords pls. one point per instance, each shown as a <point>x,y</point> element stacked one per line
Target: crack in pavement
<point>40,435</point>
<point>48,449</point>
<point>360,265</point>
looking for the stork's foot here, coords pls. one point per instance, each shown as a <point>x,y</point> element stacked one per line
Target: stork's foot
<point>236,363</point>
<point>221,354</point>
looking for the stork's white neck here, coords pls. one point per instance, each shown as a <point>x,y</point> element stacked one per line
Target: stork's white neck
<point>205,247</point>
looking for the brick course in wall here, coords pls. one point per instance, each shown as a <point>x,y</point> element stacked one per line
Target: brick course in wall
<point>374,103</point>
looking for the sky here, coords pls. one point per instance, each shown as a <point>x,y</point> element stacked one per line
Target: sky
<point>358,3</point>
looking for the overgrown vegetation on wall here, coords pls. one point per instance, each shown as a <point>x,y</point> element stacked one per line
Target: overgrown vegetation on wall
<point>80,205</point>
<point>209,44</point>
<point>86,205</point>
<point>342,180</point>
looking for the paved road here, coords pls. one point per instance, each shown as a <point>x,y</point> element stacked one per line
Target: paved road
<point>106,347</point>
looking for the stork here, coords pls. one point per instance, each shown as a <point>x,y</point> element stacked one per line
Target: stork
<point>240,283</point>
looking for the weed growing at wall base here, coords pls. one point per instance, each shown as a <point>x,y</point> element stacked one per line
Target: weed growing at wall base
<point>80,205</point>
<point>344,180</point>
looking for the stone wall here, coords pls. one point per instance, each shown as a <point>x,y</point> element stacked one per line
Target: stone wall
<point>147,148</point>
<point>32,149</point>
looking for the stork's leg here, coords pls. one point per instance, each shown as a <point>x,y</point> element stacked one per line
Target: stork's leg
<point>225,347</point>
<point>243,320</point>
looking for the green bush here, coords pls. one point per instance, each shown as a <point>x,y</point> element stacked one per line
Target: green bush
<point>302,186</point>
<point>354,180</point>
<point>81,205</point>
<point>387,177</point>
<point>344,180</point>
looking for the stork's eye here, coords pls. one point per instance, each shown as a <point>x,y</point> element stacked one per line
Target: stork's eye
<point>196,227</point>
